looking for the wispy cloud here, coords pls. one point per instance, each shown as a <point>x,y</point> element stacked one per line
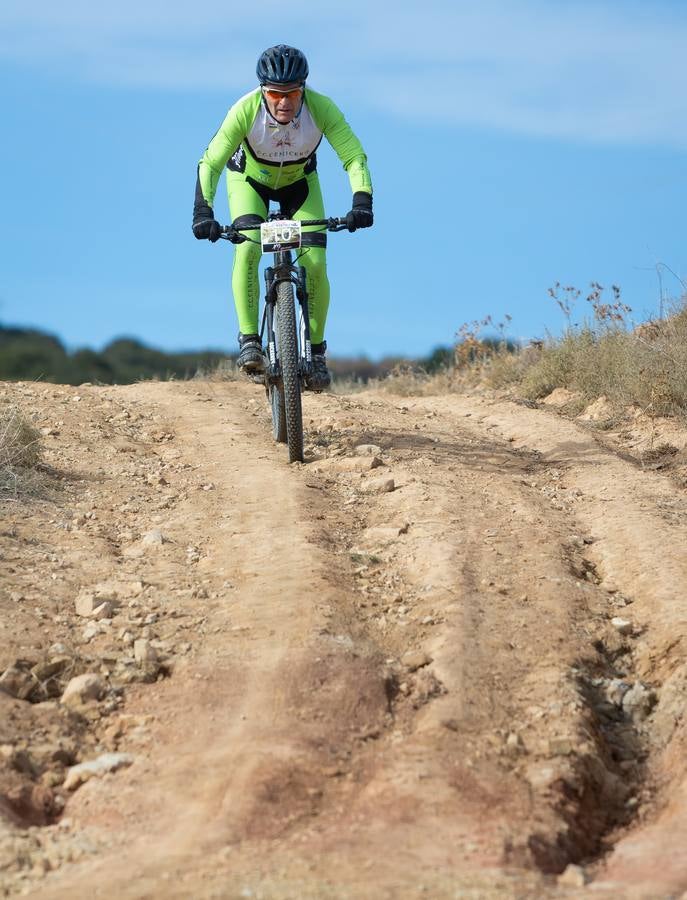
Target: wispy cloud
<point>582,70</point>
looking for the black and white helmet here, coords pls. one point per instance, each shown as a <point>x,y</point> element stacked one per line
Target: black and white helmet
<point>282,65</point>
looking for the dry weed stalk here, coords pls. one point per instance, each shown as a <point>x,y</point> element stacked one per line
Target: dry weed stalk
<point>19,448</point>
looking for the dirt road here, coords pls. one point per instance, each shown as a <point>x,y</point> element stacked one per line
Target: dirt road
<point>444,658</point>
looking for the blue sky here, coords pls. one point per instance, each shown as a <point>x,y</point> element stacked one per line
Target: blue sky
<point>512,144</point>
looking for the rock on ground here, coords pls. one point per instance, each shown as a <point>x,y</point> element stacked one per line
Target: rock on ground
<point>96,768</point>
<point>83,688</point>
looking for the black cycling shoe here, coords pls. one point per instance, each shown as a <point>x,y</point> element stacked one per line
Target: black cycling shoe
<point>250,360</point>
<point>320,378</point>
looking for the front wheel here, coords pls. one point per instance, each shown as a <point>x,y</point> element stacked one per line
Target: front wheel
<point>287,352</point>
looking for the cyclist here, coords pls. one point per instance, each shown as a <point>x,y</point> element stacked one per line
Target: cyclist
<point>268,143</point>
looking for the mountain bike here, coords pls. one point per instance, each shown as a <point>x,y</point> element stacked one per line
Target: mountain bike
<point>285,331</point>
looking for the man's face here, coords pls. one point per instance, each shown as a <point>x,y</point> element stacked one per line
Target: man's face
<point>283,100</point>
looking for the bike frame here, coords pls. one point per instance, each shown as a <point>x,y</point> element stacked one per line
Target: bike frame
<point>288,351</point>
<point>286,269</point>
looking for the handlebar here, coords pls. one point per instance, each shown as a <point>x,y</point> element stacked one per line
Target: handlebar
<point>330,224</point>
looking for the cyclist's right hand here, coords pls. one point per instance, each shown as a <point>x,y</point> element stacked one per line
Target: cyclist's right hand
<point>207,230</point>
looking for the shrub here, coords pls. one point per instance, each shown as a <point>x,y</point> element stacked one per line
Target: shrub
<point>644,366</point>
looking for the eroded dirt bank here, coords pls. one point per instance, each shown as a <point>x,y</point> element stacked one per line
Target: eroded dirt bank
<point>443,658</point>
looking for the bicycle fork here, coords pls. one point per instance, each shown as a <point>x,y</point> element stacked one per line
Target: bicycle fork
<point>284,270</point>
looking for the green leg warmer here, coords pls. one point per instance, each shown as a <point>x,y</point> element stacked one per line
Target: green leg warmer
<point>244,200</point>
<point>314,261</point>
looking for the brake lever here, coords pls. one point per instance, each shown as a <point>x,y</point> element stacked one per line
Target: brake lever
<point>229,233</point>
<point>336,225</point>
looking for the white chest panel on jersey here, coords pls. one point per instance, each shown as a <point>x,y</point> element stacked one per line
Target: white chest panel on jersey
<point>274,143</point>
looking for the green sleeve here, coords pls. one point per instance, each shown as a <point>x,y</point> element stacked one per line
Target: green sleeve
<point>224,144</point>
<point>330,120</point>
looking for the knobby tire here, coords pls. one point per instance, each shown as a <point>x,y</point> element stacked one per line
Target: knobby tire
<point>287,344</point>
<point>276,393</point>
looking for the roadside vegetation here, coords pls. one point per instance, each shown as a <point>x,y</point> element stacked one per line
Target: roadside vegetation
<point>600,353</point>
<point>32,355</point>
<point>605,355</point>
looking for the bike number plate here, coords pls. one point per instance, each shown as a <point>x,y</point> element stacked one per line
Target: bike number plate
<point>283,234</point>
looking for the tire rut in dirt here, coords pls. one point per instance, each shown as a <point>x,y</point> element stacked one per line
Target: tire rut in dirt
<point>288,356</point>
<point>627,768</point>
<point>584,755</point>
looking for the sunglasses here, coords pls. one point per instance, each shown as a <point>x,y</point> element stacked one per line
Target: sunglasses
<point>276,96</point>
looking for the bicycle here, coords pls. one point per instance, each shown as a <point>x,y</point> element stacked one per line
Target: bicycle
<point>286,337</point>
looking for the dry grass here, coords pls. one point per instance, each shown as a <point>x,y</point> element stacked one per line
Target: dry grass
<point>19,450</point>
<point>412,381</point>
<point>225,370</point>
<point>644,367</point>
<point>343,384</point>
<point>477,364</point>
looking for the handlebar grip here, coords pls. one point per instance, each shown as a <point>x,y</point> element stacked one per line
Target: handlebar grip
<point>229,229</point>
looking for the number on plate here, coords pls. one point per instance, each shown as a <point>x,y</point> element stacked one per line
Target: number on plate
<point>282,234</point>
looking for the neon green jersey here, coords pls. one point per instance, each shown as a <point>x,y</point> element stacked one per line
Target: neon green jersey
<point>251,140</point>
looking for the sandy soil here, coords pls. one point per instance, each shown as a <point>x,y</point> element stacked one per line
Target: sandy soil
<point>472,685</point>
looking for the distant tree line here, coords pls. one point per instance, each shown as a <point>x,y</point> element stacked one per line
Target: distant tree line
<point>28,354</point>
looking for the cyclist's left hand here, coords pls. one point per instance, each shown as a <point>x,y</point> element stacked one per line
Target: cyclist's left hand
<point>361,215</point>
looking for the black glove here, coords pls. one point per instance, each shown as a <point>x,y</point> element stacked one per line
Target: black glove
<point>361,214</point>
<point>207,229</point>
